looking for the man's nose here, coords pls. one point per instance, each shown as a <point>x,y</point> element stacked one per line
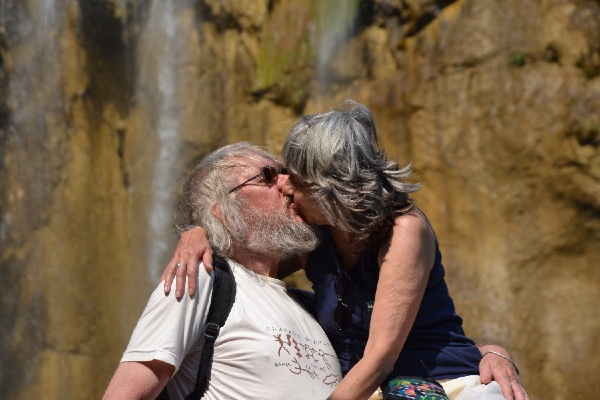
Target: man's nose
<point>284,185</point>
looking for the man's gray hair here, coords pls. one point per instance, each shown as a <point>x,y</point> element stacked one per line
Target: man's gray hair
<point>207,190</point>
<point>336,155</point>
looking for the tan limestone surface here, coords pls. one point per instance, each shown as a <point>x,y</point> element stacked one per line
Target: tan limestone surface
<point>496,104</point>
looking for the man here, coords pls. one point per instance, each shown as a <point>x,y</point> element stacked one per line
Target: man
<point>269,347</point>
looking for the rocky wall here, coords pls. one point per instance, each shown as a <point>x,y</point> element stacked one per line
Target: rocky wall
<point>495,103</point>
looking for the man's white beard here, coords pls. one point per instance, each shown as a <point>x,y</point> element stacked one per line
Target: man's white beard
<point>276,233</point>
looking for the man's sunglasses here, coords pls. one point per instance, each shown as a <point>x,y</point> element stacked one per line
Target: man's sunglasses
<point>268,173</point>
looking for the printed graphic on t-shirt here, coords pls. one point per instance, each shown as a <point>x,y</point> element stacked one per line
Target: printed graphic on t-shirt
<point>303,355</point>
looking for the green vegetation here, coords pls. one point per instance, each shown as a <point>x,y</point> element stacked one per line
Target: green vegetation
<point>516,60</point>
<point>292,41</point>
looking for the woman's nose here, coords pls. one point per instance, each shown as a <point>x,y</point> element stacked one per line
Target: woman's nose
<point>284,184</point>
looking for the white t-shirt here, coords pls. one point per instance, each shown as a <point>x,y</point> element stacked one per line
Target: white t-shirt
<point>269,347</point>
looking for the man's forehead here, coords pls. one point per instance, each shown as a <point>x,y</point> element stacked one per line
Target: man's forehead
<point>255,162</point>
<point>241,168</point>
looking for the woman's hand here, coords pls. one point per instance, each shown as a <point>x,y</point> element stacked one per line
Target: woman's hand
<point>193,246</point>
<point>500,369</point>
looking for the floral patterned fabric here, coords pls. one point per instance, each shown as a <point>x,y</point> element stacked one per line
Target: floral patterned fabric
<point>413,388</point>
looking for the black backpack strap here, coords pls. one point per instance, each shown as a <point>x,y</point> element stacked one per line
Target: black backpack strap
<point>222,298</point>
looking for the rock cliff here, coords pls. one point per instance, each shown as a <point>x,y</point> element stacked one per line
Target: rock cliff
<point>104,104</point>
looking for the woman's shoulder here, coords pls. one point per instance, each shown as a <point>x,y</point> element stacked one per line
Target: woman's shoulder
<point>412,220</point>
<point>411,231</point>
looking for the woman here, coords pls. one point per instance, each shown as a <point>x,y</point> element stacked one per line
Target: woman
<point>378,279</point>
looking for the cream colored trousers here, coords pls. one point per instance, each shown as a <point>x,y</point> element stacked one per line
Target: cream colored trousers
<point>470,388</point>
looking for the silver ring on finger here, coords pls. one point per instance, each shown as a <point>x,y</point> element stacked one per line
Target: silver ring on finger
<point>179,265</point>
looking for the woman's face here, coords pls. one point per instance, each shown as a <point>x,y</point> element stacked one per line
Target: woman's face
<point>303,203</point>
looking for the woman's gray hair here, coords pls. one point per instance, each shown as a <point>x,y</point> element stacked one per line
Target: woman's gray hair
<point>207,190</point>
<point>336,155</point>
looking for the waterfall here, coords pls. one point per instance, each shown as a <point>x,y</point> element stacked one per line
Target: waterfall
<point>34,89</point>
<point>33,97</point>
<point>163,39</point>
<point>335,22</point>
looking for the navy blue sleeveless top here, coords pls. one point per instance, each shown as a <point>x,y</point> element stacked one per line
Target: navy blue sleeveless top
<point>436,339</point>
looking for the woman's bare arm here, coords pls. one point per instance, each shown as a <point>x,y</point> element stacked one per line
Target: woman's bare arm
<point>193,246</point>
<point>405,262</point>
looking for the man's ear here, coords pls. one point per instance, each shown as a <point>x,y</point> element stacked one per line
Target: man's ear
<point>216,212</point>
